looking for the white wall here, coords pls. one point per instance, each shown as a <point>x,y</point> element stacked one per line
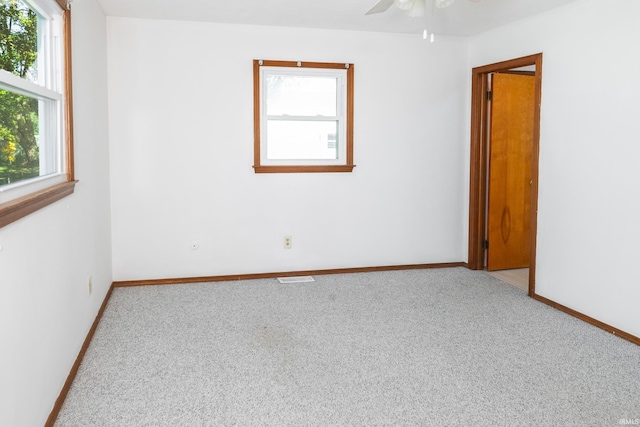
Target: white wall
<point>46,258</point>
<point>181,129</point>
<point>589,196</point>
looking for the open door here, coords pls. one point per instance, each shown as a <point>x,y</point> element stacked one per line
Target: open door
<point>509,186</point>
<point>479,169</point>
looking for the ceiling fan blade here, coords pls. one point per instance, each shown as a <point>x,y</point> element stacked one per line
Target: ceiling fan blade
<point>379,7</point>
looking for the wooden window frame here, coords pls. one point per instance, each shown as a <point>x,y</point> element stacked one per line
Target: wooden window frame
<point>16,209</point>
<point>257,166</point>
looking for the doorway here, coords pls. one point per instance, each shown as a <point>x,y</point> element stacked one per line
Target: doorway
<point>510,225</point>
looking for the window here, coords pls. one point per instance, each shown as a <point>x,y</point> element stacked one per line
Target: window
<point>36,158</point>
<point>303,116</point>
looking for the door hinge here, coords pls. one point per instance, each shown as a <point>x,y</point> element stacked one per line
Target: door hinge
<point>485,244</point>
<point>489,95</point>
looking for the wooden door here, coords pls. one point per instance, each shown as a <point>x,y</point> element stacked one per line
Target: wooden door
<point>509,186</point>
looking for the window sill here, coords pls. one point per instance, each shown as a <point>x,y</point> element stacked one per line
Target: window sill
<point>19,208</point>
<point>302,169</point>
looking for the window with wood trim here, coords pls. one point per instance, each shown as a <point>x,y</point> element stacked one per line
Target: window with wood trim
<point>303,116</point>
<point>36,140</point>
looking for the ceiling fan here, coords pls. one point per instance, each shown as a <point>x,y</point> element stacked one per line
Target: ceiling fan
<point>413,7</point>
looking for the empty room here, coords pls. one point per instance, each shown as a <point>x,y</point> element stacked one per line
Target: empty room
<point>294,213</point>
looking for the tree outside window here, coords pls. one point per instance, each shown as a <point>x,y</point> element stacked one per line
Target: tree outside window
<point>19,152</point>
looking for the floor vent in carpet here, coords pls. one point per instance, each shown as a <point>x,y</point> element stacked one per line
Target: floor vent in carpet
<point>296,279</point>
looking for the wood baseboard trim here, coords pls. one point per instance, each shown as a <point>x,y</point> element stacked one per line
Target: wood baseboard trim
<point>615,331</point>
<point>76,365</point>
<point>234,277</point>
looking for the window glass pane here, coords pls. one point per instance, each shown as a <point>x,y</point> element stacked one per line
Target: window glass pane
<point>19,138</point>
<point>301,95</point>
<point>19,39</point>
<point>302,140</point>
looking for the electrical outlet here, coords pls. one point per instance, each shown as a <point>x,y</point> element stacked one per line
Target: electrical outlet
<point>287,242</point>
<point>90,284</point>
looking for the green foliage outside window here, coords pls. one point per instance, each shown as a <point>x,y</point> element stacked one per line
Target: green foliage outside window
<point>19,157</point>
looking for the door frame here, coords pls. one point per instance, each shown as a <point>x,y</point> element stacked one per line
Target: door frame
<point>479,160</point>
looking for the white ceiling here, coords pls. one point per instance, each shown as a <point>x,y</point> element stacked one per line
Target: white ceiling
<point>463,18</point>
